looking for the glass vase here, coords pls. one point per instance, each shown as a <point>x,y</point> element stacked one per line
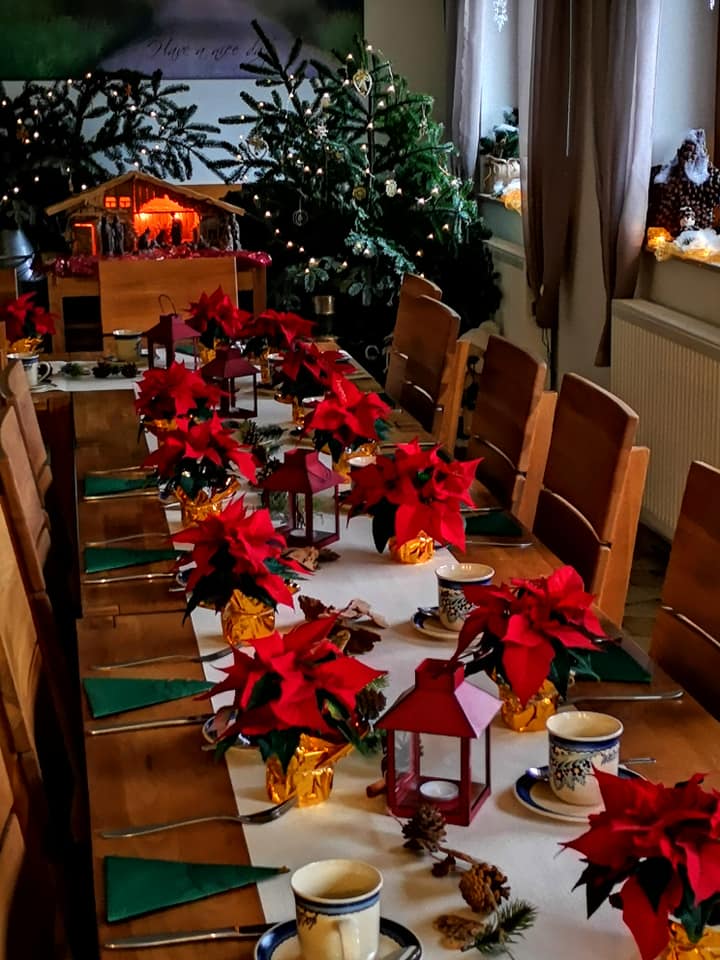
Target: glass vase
<point>531,716</point>
<point>309,773</point>
<point>418,550</point>
<point>681,947</point>
<point>244,618</point>
<point>206,503</point>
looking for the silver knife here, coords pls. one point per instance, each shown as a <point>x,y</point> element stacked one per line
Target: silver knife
<point>147,724</point>
<point>476,542</point>
<point>165,658</point>
<point>666,695</point>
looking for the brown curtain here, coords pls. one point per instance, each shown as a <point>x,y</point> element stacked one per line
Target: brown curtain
<point>623,64</point>
<point>552,151</point>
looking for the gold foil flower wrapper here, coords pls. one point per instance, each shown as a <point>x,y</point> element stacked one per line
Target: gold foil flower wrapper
<point>25,345</point>
<point>681,947</point>
<point>159,426</point>
<point>206,354</point>
<point>534,714</point>
<point>244,618</point>
<point>204,505</point>
<point>418,550</point>
<point>309,773</point>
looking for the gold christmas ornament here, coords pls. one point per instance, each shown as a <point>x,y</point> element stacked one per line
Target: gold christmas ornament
<point>359,192</point>
<point>258,146</point>
<point>391,187</point>
<point>362,81</point>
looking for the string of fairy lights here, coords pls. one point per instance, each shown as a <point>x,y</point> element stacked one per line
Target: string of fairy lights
<point>362,80</point>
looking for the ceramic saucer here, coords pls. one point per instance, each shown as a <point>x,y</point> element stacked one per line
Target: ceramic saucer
<point>281,943</point>
<point>426,621</point>
<point>537,796</point>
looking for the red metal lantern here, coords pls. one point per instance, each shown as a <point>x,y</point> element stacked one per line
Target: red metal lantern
<point>169,330</point>
<point>228,366</point>
<point>301,476</point>
<point>438,744</point>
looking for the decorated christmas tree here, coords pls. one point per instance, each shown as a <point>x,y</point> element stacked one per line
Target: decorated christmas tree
<point>63,137</point>
<point>350,185</point>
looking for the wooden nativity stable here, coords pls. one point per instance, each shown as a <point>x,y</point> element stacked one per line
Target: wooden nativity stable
<point>134,239</point>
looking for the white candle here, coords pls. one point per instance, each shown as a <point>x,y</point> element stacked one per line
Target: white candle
<point>442,790</point>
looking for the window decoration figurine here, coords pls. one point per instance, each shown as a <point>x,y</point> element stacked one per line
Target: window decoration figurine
<point>685,192</point>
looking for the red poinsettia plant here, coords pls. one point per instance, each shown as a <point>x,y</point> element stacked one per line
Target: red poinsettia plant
<point>414,491</point>
<point>346,418</point>
<point>25,320</point>
<point>200,455</point>
<point>175,392</point>
<point>307,371</point>
<point>529,630</point>
<point>275,329</point>
<point>233,550</point>
<point>296,683</point>
<point>662,845</point>
<point>217,318</point>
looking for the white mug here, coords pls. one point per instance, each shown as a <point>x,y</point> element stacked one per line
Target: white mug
<point>580,740</point>
<point>127,344</point>
<point>36,370</point>
<point>453,605</point>
<point>337,906</point>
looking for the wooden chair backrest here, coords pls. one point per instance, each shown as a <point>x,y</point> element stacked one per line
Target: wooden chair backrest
<point>15,392</point>
<point>511,426</point>
<point>690,656</point>
<point>12,857</point>
<point>589,504</point>
<point>29,522</point>
<point>434,374</point>
<point>692,580</point>
<point>406,321</point>
<point>593,433</point>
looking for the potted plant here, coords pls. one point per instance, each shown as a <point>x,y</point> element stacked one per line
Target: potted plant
<point>218,321</point>
<point>414,498</point>
<point>304,703</point>
<point>661,846</point>
<point>201,464</point>
<point>238,570</point>
<point>530,634</point>
<point>501,152</point>
<point>272,330</point>
<point>26,324</point>
<point>307,372</point>
<point>346,422</point>
<point>167,395</point>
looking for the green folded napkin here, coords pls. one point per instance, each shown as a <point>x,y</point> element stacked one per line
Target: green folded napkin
<point>98,559</point>
<point>106,486</point>
<point>496,524</point>
<point>186,349</point>
<point>108,695</point>
<point>612,664</point>
<point>134,886</point>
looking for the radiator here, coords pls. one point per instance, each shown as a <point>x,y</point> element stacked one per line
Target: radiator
<point>666,365</point>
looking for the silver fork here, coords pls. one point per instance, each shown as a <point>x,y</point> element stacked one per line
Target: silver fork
<point>262,816</point>
<point>166,658</point>
<point>100,581</point>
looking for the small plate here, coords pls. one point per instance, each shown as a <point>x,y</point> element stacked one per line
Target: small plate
<point>281,943</point>
<point>537,796</point>
<point>426,621</point>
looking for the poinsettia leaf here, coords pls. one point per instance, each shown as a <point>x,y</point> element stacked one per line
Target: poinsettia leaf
<point>279,743</point>
<point>382,529</point>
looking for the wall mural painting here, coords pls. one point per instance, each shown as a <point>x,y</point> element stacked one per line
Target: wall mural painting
<point>186,39</point>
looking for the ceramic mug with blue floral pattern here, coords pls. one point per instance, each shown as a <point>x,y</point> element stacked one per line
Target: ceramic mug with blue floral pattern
<point>453,605</point>
<point>581,741</point>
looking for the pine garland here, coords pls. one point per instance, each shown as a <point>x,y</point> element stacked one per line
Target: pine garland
<point>503,929</point>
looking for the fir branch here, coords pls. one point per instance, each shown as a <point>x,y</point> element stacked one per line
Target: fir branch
<point>503,929</point>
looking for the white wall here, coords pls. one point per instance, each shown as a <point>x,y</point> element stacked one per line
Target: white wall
<point>685,85</point>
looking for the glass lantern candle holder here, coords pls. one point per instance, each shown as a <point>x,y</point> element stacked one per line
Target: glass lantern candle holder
<point>438,744</point>
<point>229,366</point>
<point>302,477</point>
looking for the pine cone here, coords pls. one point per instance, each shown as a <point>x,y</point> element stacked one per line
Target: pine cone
<point>369,704</point>
<point>458,932</point>
<point>425,830</point>
<point>483,887</point>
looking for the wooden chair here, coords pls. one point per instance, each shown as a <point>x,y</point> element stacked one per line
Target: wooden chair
<point>589,503</point>
<point>15,392</point>
<point>25,552</point>
<point>511,426</point>
<point>686,636</point>
<point>434,370</point>
<point>405,332</point>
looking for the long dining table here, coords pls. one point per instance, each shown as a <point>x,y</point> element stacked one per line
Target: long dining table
<point>155,775</point>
